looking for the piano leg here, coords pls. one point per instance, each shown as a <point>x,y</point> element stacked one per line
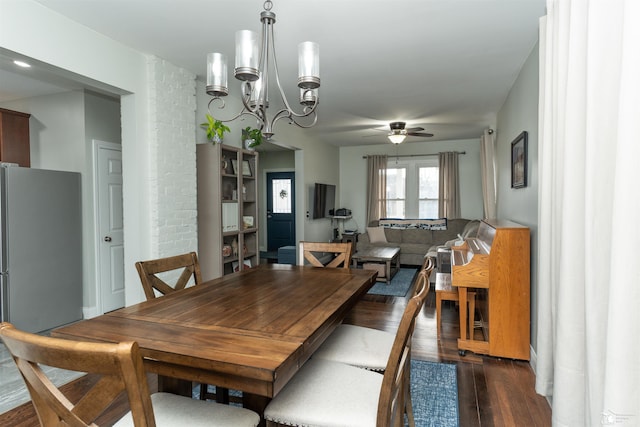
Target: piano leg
<point>462,295</point>
<point>468,299</point>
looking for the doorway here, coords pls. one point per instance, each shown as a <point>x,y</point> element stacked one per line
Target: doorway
<point>109,226</point>
<point>281,211</point>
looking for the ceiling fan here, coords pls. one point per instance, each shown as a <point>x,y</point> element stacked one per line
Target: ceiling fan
<point>399,132</point>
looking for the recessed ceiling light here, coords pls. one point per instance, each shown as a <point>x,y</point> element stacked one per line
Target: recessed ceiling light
<point>22,64</point>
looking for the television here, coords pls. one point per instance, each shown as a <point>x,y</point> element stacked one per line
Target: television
<point>324,200</point>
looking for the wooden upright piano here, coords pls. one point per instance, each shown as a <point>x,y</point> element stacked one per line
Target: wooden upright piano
<point>497,263</point>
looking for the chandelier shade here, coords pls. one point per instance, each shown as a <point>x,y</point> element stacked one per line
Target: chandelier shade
<point>247,56</point>
<point>308,65</point>
<point>217,74</point>
<point>255,63</point>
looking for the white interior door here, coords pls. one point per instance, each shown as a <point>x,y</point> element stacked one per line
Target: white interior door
<point>109,239</point>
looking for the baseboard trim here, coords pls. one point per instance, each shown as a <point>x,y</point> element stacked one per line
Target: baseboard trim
<point>90,312</point>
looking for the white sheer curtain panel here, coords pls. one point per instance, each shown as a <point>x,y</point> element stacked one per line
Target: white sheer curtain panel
<point>488,168</point>
<point>376,187</point>
<point>588,341</point>
<point>449,185</point>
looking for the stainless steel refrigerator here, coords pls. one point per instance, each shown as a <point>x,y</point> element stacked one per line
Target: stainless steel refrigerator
<point>41,248</point>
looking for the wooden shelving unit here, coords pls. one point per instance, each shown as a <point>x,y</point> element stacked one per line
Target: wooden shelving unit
<point>227,209</point>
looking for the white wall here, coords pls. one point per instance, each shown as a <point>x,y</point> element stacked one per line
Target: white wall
<point>520,113</point>
<point>353,174</point>
<point>35,32</point>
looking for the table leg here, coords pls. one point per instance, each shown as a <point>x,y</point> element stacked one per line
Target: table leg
<point>257,404</point>
<point>387,273</point>
<point>175,385</point>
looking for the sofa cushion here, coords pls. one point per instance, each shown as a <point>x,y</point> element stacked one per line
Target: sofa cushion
<point>394,235</point>
<point>376,235</point>
<point>414,248</point>
<point>424,237</point>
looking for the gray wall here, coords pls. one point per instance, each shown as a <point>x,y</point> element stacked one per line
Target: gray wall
<point>520,113</point>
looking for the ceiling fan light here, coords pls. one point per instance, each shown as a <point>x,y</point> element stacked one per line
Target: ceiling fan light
<point>397,138</point>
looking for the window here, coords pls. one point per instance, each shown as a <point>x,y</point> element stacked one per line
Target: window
<point>428,192</point>
<point>396,192</point>
<point>281,202</point>
<point>412,188</point>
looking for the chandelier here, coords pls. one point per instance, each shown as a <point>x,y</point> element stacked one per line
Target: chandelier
<point>252,69</point>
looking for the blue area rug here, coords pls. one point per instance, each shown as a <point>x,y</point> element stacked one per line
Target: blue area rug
<point>398,286</point>
<point>434,393</point>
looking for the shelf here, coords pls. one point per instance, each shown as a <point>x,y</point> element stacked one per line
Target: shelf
<point>226,200</point>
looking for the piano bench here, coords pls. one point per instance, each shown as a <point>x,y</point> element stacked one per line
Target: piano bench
<point>446,292</point>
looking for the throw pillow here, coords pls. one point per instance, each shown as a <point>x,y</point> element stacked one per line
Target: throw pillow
<point>376,235</point>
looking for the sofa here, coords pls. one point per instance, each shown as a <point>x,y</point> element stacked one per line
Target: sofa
<point>414,241</point>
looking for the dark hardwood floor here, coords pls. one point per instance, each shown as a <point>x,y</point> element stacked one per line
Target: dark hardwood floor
<point>491,391</point>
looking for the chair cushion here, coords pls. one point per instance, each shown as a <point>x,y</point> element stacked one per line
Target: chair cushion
<point>329,394</point>
<point>172,410</point>
<point>357,346</point>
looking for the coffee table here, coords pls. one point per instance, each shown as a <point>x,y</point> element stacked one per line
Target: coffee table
<point>384,256</point>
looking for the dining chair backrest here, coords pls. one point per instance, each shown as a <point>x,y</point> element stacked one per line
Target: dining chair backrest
<point>424,274</point>
<point>149,271</point>
<point>119,366</point>
<point>391,404</point>
<point>341,253</point>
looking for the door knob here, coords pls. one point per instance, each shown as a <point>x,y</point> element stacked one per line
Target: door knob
<point>107,238</point>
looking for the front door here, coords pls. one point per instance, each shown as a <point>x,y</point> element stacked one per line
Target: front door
<point>281,215</point>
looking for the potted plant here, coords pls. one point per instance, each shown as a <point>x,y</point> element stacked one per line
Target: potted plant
<point>252,137</point>
<point>215,129</point>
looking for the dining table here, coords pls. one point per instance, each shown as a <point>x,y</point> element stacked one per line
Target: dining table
<point>249,331</point>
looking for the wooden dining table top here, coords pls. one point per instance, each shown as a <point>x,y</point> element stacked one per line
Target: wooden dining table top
<point>248,331</point>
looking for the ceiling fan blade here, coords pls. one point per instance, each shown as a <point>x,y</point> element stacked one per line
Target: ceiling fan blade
<point>415,129</point>
<point>419,134</point>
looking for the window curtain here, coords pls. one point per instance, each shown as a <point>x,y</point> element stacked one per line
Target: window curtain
<point>376,187</point>
<point>488,168</point>
<point>588,338</point>
<point>449,190</point>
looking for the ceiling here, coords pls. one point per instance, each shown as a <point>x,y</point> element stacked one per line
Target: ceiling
<point>444,65</point>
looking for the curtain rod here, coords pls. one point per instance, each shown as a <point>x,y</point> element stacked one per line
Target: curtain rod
<point>417,155</point>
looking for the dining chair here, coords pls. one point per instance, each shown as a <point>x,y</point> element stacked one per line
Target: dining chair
<point>151,282</point>
<point>369,348</point>
<point>154,275</point>
<point>328,393</point>
<point>310,251</point>
<point>120,369</point>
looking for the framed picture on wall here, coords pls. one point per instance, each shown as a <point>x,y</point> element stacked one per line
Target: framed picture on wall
<point>519,161</point>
